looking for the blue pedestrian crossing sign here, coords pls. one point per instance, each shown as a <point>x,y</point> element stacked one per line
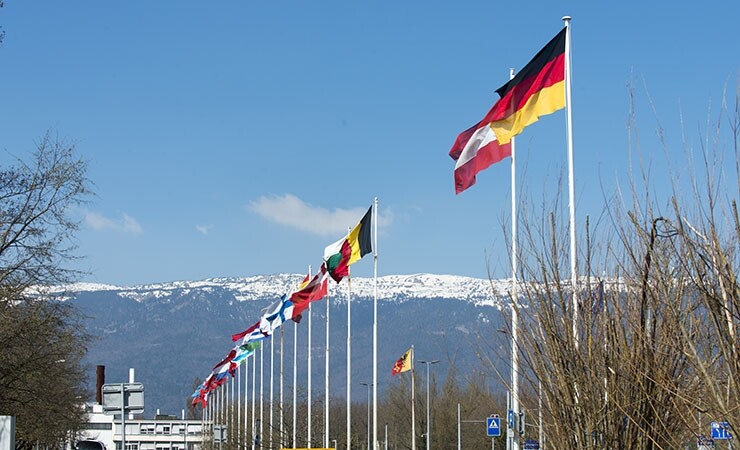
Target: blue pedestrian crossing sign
<point>720,430</point>
<point>493,426</point>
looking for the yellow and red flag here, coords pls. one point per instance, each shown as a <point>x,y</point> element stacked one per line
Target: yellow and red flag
<point>403,364</point>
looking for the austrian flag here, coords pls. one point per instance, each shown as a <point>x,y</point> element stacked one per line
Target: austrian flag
<point>475,150</point>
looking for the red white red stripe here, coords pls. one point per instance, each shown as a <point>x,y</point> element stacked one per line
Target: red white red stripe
<point>476,149</point>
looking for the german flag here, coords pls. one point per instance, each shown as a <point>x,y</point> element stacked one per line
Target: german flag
<point>537,90</point>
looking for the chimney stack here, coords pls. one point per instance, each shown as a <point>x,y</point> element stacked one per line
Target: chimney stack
<point>100,372</point>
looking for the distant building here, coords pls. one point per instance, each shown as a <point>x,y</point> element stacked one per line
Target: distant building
<point>164,432</point>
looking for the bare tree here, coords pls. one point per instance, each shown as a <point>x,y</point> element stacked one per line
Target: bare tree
<point>654,358</point>
<point>41,374</point>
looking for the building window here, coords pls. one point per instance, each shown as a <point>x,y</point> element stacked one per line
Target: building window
<point>97,426</point>
<point>146,428</point>
<point>163,429</point>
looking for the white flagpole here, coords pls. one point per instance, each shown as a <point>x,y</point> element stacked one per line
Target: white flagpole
<point>375,326</point>
<point>218,405</point>
<point>513,443</point>
<point>272,383</point>
<point>229,406</point>
<point>326,380</point>
<point>413,401</point>
<point>295,379</point>
<point>262,393</point>
<point>282,329</point>
<point>308,403</point>
<point>254,397</point>
<point>238,400</point>
<point>349,359</point>
<point>246,398</point>
<point>571,182</point>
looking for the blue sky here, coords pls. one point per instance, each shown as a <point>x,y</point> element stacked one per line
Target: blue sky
<point>240,138</point>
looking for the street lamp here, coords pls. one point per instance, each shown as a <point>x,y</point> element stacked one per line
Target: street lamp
<point>428,363</point>
<point>368,385</point>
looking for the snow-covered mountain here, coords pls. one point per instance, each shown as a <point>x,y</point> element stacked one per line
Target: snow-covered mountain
<point>173,333</point>
<point>257,288</point>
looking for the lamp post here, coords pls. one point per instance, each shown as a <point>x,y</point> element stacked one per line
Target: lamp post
<point>368,385</point>
<point>428,363</point>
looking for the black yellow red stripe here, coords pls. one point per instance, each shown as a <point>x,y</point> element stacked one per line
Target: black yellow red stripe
<point>538,89</point>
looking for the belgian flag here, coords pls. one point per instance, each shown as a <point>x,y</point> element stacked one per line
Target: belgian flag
<point>348,250</point>
<point>537,90</point>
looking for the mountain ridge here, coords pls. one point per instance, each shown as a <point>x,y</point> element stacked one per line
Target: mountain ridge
<point>173,333</point>
<point>257,287</point>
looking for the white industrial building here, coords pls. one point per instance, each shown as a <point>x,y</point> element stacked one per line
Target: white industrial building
<point>161,433</point>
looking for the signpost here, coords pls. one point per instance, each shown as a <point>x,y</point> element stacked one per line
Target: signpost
<point>531,444</point>
<point>123,398</point>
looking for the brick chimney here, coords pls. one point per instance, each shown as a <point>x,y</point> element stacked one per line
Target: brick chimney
<point>100,373</point>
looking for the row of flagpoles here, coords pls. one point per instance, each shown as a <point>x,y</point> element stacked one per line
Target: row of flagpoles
<point>542,87</point>
<point>337,258</point>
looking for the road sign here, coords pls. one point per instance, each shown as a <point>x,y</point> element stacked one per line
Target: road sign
<point>720,430</point>
<point>531,444</point>
<point>511,419</point>
<point>493,426</point>
<point>703,443</point>
<point>126,396</point>
<point>219,434</point>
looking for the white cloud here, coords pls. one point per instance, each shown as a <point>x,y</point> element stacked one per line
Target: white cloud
<point>203,229</point>
<point>291,211</point>
<point>126,223</point>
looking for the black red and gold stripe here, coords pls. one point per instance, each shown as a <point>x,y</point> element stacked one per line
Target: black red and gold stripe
<point>537,90</point>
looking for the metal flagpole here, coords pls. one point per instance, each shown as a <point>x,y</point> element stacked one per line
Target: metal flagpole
<point>238,401</point>
<point>272,383</point>
<point>246,398</point>
<point>571,182</point>
<point>349,359</point>
<point>229,406</point>
<point>375,326</point>
<point>326,380</point>
<point>295,378</point>
<point>413,401</point>
<point>308,403</point>
<point>262,392</point>
<point>254,397</point>
<point>216,407</point>
<point>282,329</point>
<point>512,441</point>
